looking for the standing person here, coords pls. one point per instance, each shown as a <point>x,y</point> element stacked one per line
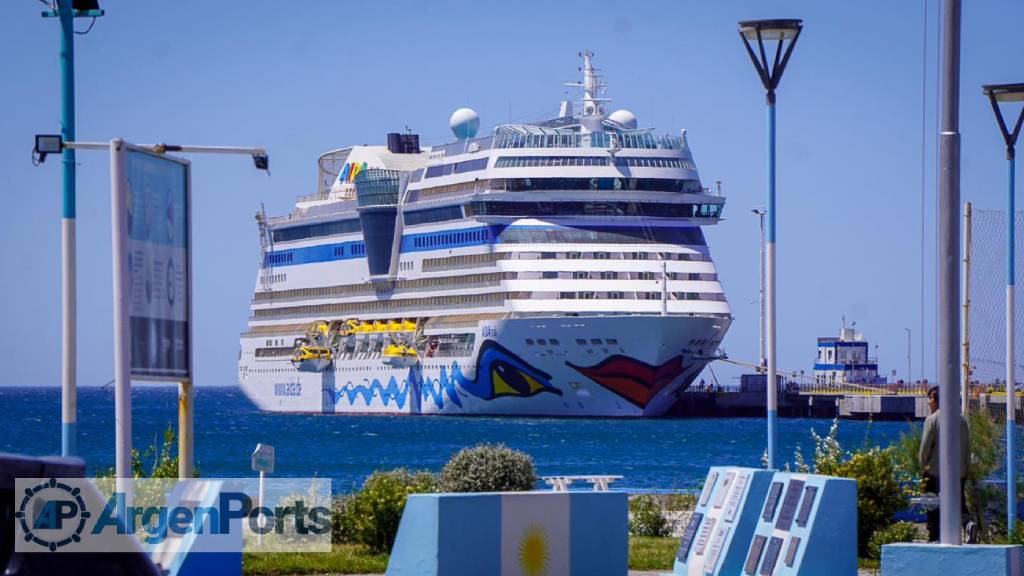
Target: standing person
<point>929,460</point>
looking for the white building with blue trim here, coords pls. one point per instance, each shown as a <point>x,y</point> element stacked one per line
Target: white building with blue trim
<point>845,360</point>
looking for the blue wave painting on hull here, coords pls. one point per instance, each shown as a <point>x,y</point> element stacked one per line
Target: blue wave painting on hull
<point>501,374</point>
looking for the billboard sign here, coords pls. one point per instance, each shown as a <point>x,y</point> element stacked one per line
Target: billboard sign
<point>154,207</point>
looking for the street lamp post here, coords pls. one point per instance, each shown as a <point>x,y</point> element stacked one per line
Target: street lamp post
<point>67,11</point>
<point>998,93</point>
<point>784,33</point>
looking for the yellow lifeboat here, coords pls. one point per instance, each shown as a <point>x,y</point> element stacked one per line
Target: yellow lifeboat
<point>400,355</point>
<point>311,358</point>
<point>407,326</point>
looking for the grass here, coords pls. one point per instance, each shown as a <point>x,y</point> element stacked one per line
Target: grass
<point>342,559</point>
<point>647,553</point>
<point>644,554</point>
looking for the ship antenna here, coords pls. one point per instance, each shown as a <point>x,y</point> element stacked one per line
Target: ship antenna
<point>593,86</point>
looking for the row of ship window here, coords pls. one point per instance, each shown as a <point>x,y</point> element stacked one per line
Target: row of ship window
<point>581,275</point>
<point>684,236</point>
<point>478,164</point>
<point>579,342</point>
<point>551,161</point>
<point>472,281</point>
<point>456,168</point>
<point>636,209</point>
<point>450,238</point>
<point>524,209</point>
<point>591,295</point>
<point>469,301</point>
<point>493,277</point>
<point>465,260</point>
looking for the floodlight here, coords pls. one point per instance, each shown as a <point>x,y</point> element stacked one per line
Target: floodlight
<point>261,161</point>
<point>48,144</point>
<point>84,5</point>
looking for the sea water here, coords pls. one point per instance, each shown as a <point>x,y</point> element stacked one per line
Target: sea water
<point>650,454</point>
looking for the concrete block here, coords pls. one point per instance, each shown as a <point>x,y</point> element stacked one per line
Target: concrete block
<point>913,559</point>
<point>532,533</point>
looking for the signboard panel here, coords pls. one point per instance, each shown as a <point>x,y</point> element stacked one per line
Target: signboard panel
<point>156,263</point>
<point>263,458</point>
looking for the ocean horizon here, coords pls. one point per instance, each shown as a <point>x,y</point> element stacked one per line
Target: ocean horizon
<point>651,454</point>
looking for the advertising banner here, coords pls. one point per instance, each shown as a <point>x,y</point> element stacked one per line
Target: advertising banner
<point>156,263</point>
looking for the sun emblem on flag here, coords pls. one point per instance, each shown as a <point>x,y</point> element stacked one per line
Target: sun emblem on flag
<point>533,551</point>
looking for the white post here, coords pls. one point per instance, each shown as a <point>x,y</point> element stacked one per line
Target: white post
<point>122,342</point>
<point>261,519</point>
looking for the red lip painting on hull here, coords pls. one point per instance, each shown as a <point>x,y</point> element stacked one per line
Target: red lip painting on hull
<point>632,379</point>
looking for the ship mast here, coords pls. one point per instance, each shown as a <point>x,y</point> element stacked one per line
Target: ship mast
<point>593,87</point>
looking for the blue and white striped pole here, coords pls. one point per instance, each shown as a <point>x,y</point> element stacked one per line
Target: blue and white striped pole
<point>1011,395</point>
<point>69,394</point>
<point>770,288</point>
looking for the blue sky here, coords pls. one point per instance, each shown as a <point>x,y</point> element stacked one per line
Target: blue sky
<point>302,78</point>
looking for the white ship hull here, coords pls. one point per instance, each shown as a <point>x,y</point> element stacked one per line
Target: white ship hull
<point>626,366</point>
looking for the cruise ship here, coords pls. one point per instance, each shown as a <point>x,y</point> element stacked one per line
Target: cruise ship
<point>549,268</point>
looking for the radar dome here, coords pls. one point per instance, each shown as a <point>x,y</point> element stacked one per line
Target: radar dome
<point>464,122</point>
<point>624,117</point>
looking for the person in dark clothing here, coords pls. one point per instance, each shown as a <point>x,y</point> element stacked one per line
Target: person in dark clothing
<point>929,460</point>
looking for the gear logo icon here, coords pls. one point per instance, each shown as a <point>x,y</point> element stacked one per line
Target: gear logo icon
<point>52,514</point>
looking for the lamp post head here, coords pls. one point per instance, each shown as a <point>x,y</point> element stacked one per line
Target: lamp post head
<point>785,33</point>
<point>1004,92</point>
<point>777,29</point>
<point>998,93</point>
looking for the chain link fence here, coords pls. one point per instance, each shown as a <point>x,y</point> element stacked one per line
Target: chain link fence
<point>987,332</point>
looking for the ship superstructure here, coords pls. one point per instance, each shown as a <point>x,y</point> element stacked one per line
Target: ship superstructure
<point>548,268</point>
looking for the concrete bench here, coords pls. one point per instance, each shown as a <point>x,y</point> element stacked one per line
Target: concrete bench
<point>562,483</point>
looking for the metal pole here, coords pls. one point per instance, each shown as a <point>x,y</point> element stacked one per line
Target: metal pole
<point>761,262</point>
<point>770,287</point>
<point>909,377</point>
<point>122,350</point>
<point>185,418</point>
<point>949,281</point>
<point>965,369</point>
<point>69,394</point>
<point>1011,358</point>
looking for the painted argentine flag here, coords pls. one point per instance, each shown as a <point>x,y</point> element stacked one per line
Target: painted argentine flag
<point>534,535</point>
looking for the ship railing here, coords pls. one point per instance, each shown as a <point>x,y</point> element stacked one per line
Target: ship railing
<point>514,139</point>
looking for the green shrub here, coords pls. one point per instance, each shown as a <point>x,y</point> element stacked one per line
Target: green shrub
<point>647,518</point>
<point>162,456</point>
<point>881,483</point>
<point>371,516</point>
<point>339,512</point>
<point>898,532</point>
<point>488,468</point>
<point>680,501</point>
